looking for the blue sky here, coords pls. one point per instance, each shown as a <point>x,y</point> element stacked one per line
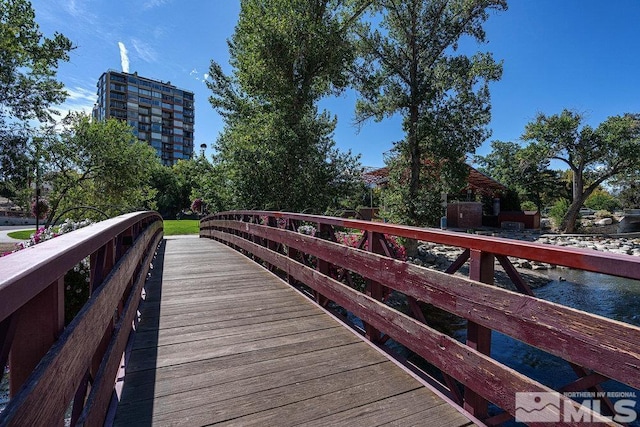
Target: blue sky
<point>578,54</point>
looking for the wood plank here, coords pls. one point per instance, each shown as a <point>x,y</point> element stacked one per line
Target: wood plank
<point>214,405</point>
<point>225,317</point>
<point>207,331</point>
<point>257,352</point>
<point>388,410</point>
<point>209,372</point>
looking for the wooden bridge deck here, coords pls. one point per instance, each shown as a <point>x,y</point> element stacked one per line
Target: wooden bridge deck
<point>223,341</point>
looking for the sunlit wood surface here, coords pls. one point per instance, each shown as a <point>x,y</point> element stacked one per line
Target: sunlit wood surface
<point>223,341</point>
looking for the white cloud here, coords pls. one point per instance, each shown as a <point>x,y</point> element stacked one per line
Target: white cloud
<point>79,12</point>
<point>144,51</point>
<point>124,57</point>
<point>196,75</point>
<point>80,100</point>
<point>150,4</point>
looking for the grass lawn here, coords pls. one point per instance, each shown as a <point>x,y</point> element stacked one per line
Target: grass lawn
<point>171,227</point>
<point>181,226</point>
<point>21,234</point>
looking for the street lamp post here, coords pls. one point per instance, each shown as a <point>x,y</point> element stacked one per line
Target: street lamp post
<point>37,183</point>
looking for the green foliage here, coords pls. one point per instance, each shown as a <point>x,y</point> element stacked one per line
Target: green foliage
<point>602,200</point>
<point>192,178</point>
<point>182,226</point>
<point>593,155</point>
<point>165,182</point>
<point>629,194</point>
<point>510,201</point>
<point>528,206</point>
<point>276,151</point>
<point>523,170</point>
<point>99,164</point>
<point>28,63</point>
<point>558,211</point>
<point>410,66</point>
<point>603,214</point>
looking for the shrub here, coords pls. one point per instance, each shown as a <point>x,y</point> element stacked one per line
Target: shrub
<point>558,211</point>
<point>528,206</point>
<point>601,200</point>
<point>603,214</point>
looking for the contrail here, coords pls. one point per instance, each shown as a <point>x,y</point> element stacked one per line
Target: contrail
<point>124,57</point>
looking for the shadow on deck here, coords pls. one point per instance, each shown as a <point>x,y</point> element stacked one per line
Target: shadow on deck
<point>223,341</point>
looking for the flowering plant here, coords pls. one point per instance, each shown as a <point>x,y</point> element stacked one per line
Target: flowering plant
<point>40,208</point>
<point>76,281</point>
<point>309,230</point>
<point>196,205</point>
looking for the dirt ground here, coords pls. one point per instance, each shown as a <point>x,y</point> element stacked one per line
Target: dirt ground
<point>7,247</point>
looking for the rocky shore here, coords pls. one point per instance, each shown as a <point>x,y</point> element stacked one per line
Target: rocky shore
<point>439,257</point>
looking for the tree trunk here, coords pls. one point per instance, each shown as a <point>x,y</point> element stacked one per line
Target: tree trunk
<point>414,165</point>
<point>568,224</point>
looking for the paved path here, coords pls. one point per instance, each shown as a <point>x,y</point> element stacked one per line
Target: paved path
<point>5,229</point>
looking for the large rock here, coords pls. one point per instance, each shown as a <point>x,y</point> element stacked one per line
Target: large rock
<point>604,221</point>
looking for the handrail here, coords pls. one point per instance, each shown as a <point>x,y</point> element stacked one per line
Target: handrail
<point>44,354</point>
<point>598,348</point>
<point>583,259</point>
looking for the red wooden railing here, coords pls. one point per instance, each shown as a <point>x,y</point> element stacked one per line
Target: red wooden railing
<point>597,348</point>
<point>52,367</point>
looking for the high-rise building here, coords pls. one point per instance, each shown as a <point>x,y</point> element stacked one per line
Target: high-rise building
<point>160,113</point>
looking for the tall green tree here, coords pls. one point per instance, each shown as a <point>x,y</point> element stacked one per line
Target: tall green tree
<point>277,150</point>
<point>411,66</point>
<point>522,169</point>
<point>28,87</point>
<point>100,164</point>
<point>627,189</point>
<point>165,182</point>
<point>593,155</point>
<point>28,64</point>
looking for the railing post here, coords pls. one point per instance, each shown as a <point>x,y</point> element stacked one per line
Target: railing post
<point>374,289</point>
<point>292,253</point>
<point>323,231</point>
<point>40,322</point>
<point>481,269</point>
